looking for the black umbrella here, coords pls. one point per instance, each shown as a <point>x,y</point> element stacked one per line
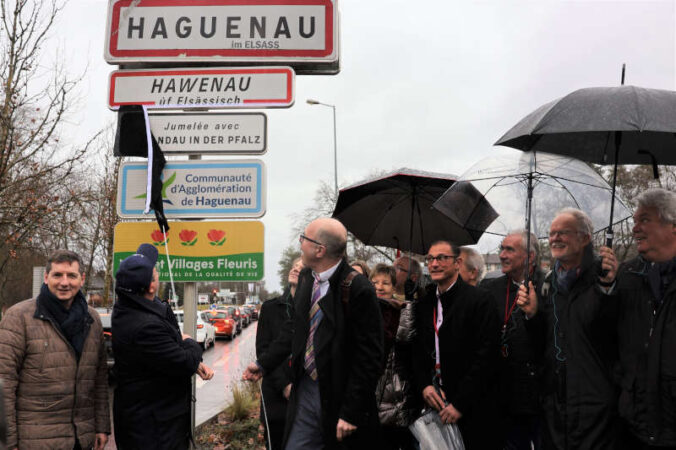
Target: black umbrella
<point>395,210</point>
<point>603,125</point>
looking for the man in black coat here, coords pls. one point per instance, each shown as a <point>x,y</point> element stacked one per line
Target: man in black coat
<point>154,363</point>
<point>576,322</point>
<point>336,349</point>
<point>646,290</point>
<point>276,385</point>
<point>463,364</point>
<point>520,364</point>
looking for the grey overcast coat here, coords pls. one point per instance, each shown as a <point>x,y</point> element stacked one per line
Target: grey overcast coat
<point>49,397</point>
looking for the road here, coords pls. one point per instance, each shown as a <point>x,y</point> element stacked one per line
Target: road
<point>228,359</point>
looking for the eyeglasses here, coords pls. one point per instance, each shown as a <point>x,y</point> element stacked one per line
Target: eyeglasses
<point>561,233</point>
<point>439,258</point>
<point>305,238</point>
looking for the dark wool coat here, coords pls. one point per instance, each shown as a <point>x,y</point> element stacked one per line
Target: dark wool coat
<point>578,330</point>
<point>349,355</point>
<point>469,352</point>
<point>647,361</point>
<point>274,315</point>
<point>153,366</point>
<point>520,372</point>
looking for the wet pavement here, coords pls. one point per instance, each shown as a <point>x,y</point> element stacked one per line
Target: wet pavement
<point>228,359</point>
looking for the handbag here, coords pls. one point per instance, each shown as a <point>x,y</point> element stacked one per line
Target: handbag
<point>434,435</point>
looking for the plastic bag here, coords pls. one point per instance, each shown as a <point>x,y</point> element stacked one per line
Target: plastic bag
<point>434,435</point>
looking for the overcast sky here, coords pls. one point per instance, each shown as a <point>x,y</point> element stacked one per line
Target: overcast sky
<point>427,84</point>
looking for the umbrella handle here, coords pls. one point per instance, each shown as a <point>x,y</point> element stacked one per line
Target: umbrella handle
<point>609,238</point>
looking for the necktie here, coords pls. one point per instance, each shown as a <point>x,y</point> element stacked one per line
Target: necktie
<point>315,317</point>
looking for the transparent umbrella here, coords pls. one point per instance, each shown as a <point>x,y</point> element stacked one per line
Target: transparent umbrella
<point>527,190</point>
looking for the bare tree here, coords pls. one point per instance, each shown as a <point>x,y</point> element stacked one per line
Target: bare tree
<point>34,166</point>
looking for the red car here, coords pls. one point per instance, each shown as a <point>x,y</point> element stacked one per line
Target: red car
<point>224,324</point>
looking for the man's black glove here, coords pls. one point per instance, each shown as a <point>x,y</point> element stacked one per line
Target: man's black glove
<point>410,287</point>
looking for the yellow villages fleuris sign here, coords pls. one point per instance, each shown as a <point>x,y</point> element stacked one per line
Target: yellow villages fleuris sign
<point>198,251</point>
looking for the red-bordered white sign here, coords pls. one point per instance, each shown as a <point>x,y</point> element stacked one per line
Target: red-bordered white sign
<point>204,88</point>
<point>221,31</point>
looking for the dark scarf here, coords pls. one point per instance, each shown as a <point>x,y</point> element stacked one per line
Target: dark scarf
<point>564,279</point>
<point>660,275</point>
<point>71,322</point>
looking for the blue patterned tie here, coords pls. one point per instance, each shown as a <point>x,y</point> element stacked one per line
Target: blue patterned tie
<point>316,315</point>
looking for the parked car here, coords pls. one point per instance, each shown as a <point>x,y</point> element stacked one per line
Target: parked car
<point>206,334</point>
<point>223,323</point>
<point>104,315</point>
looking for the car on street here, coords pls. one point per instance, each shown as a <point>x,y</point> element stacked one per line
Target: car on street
<point>104,315</point>
<point>245,315</point>
<point>250,310</point>
<point>223,323</point>
<point>206,334</point>
<point>234,313</point>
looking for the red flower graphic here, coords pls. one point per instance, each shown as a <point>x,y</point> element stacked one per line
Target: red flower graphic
<point>158,237</point>
<point>217,237</point>
<point>188,237</point>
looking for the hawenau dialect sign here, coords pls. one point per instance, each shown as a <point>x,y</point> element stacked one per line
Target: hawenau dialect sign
<point>198,251</point>
<point>222,31</point>
<point>196,189</point>
<point>213,88</point>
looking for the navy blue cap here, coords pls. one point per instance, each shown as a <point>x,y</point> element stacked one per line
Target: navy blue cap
<point>136,271</point>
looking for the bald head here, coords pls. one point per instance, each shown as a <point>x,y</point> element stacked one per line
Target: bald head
<point>325,243</point>
<point>333,235</point>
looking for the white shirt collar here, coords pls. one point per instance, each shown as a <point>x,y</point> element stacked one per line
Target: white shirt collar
<point>324,276</point>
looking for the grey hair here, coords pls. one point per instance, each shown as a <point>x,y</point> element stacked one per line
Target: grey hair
<point>534,244</point>
<point>584,223</point>
<point>473,260</point>
<point>662,200</point>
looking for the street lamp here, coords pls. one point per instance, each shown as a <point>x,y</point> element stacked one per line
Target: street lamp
<point>335,143</point>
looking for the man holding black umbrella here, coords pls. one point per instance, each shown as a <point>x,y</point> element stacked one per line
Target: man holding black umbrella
<point>576,323</point>
<point>646,290</point>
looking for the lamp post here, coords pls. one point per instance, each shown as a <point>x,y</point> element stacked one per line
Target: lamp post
<point>335,143</point>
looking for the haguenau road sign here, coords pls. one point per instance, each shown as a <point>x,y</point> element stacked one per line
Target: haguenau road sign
<point>196,189</point>
<point>287,32</point>
<point>215,133</point>
<point>203,88</point>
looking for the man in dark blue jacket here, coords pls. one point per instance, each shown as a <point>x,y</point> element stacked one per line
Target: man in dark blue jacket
<point>153,361</point>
